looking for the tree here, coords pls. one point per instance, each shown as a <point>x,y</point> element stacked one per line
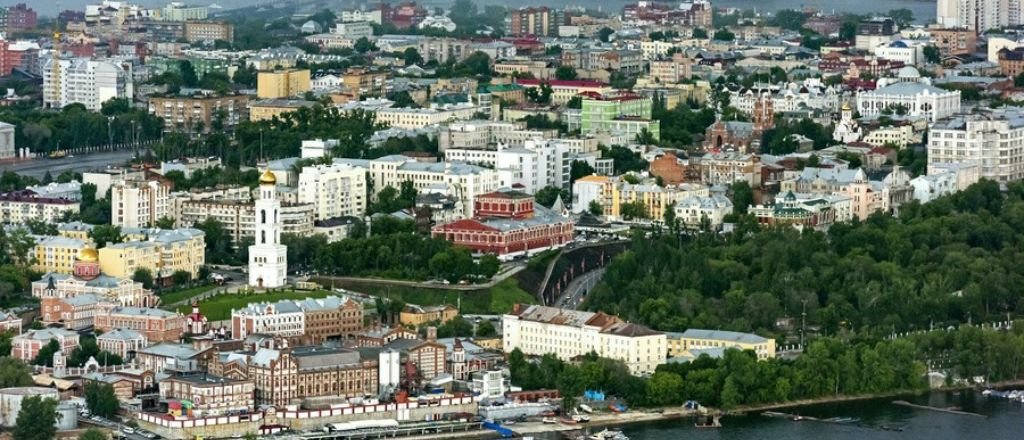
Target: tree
<point>363,45</point>
<point>14,372</point>
<point>485,329</point>
<point>595,208</point>
<point>634,211</point>
<point>724,35</point>
<point>100,399</point>
<point>665,388</point>
<point>579,169</point>
<point>6,338</point>
<point>37,419</point>
<point>742,196</point>
<point>903,17</point>
<point>546,196</point>
<point>165,223</point>
<point>188,73</point>
<point>604,34</point>
<point>574,102</point>
<point>645,137</point>
<point>700,34</point>
<point>670,217</point>
<point>45,355</point>
<point>933,56</point>
<point>92,434</point>
<point>106,234</point>
<point>219,243</point>
<point>144,276</point>
<point>565,73</point>
<point>181,277</point>
<point>412,56</point>
<point>790,19</point>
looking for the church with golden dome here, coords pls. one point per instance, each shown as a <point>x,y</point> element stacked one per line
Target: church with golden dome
<point>268,258</point>
<point>87,278</point>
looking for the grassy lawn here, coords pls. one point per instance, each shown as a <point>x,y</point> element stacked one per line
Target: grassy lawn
<point>219,307</point>
<point>498,299</point>
<point>179,295</point>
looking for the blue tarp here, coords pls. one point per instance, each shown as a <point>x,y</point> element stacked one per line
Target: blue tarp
<point>501,430</point>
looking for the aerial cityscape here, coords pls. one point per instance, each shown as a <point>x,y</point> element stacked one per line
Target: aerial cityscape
<point>426,220</point>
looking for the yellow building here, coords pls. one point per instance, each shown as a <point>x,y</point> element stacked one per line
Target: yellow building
<point>282,83</point>
<point>163,252</point>
<point>415,315</point>
<point>57,254</point>
<point>612,192</point>
<point>267,109</point>
<point>693,342</point>
<point>76,230</point>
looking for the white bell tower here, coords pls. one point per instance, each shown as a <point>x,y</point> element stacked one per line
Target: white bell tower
<point>268,258</point>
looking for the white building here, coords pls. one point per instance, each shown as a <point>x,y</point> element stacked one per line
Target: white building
<point>916,99</point>
<point>979,15</point>
<point>325,83</point>
<point>353,30</point>
<point>460,180</point>
<point>910,52</point>
<point>87,82</point>
<point>373,16</point>
<point>437,22</point>
<point>693,211</point>
<point>791,97</point>
<point>177,11</point>
<point>139,203</point>
<point>421,117</point>
<point>933,186</point>
<point>847,129</point>
<point>334,190</point>
<point>268,258</point>
<point>8,149</point>
<point>482,134</point>
<point>537,164</point>
<point>990,139</point>
<point>539,330</point>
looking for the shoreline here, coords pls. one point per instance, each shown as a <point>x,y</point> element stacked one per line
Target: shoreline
<point>674,412</point>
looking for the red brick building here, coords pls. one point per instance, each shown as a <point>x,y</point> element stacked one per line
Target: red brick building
<point>405,15</point>
<point>669,169</point>
<point>155,324</point>
<point>20,18</point>
<point>508,223</point>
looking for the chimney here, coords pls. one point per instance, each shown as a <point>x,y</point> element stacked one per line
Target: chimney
<point>517,308</point>
<point>432,334</point>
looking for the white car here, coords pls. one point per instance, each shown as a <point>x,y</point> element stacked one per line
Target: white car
<point>127,430</point>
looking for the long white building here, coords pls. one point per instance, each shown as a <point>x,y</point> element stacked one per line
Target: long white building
<point>462,181</point>
<point>918,99</point>
<point>334,190</point>
<point>539,330</point>
<point>85,81</point>
<point>991,139</point>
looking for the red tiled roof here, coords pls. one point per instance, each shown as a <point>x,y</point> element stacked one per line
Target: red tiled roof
<point>465,225</point>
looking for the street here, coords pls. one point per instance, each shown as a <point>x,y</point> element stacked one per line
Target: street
<point>578,289</point>
<point>78,163</point>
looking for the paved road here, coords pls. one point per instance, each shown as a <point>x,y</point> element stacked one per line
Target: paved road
<point>574,294</point>
<point>506,272</point>
<point>79,163</point>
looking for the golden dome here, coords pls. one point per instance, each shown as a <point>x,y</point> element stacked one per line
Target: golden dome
<point>268,178</point>
<point>88,255</point>
<point>846,106</point>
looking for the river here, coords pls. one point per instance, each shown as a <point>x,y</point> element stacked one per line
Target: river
<point>1004,420</point>
<point>924,10</point>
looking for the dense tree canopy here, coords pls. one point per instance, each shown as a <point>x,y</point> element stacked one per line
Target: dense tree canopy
<point>951,260</point>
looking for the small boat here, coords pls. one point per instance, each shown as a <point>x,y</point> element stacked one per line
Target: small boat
<point>580,418</point>
<point>891,428</point>
<point>586,408</point>
<point>549,420</point>
<point>567,421</point>
<point>608,434</point>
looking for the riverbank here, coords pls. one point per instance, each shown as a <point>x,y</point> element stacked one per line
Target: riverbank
<point>674,412</point>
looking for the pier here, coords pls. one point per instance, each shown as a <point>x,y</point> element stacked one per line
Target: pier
<point>932,408</point>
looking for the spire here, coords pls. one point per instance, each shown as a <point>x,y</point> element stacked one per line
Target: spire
<point>50,285</point>
<point>559,206</point>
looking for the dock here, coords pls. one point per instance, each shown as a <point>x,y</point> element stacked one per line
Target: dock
<point>932,408</point>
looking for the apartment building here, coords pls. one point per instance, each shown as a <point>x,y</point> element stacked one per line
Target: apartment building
<point>17,207</point>
<point>157,325</point>
<point>200,113</point>
<point>163,253</point>
<point>460,180</point>
<point>727,168</point>
<point>74,313</point>
<point>334,190</point>
<point>239,216</point>
<point>85,81</point>
<point>616,112</point>
<point>672,70</point>
<point>562,91</point>
<point>324,318</point>
<point>209,31</point>
<point>17,18</point>
<point>611,193</point>
<point>867,196</point>
<point>412,118</point>
<point>139,203</point>
<point>696,212</point>
<point>990,139</point>
<point>539,330</point>
<point>535,22</point>
<point>181,12</point>
<point>57,254</point>
<point>283,83</point>
<point>693,341</point>
<point>481,134</point>
<point>267,109</point>
<point>365,82</point>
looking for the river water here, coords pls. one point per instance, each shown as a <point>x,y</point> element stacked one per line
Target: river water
<point>924,10</point>
<point>1003,421</point>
